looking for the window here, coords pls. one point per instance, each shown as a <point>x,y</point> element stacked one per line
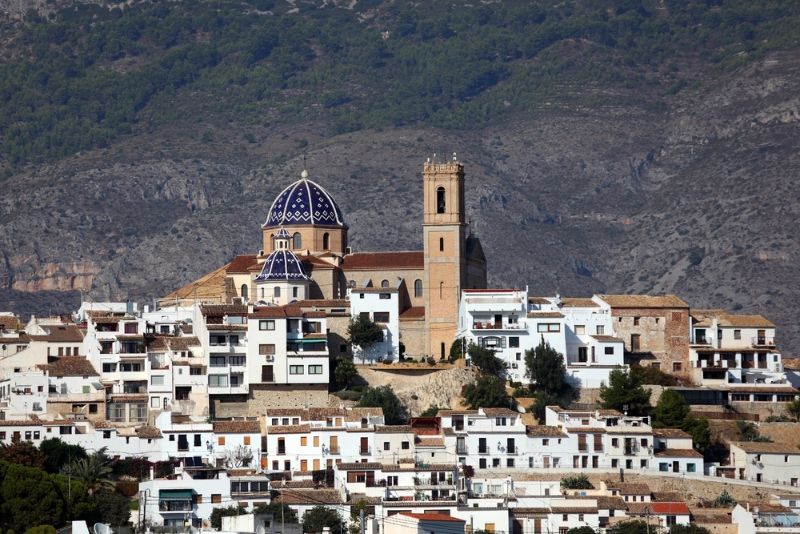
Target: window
<point>157,380</point>
<point>548,327</point>
<point>216,497</point>
<point>131,328</point>
<point>220,381</point>
<point>615,442</point>
<point>677,316</point>
<point>297,241</point>
<point>404,445</point>
<point>295,292</point>
<point>600,330</point>
<point>580,329</point>
<point>315,369</point>
<point>513,342</point>
<point>295,369</point>
<point>195,371</point>
<point>737,334</point>
<point>690,468</point>
<point>303,441</point>
<point>266,349</point>
<point>440,200</point>
<point>276,292</point>
<point>155,402</point>
<point>244,291</point>
<point>109,367</point>
<point>198,440</point>
<point>217,361</point>
<point>326,241</point>
<point>636,343</point>
<point>545,442</point>
<point>384,283</point>
<point>417,288</point>
<point>441,244</point>
<point>635,321</point>
<point>266,325</point>
<point>676,367</point>
<point>608,351</point>
<point>238,361</point>
<point>381,317</point>
<point>385,296</point>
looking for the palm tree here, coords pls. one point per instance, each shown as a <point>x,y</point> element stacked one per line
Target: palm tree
<point>94,471</point>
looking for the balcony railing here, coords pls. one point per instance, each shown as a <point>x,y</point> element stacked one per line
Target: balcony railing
<point>484,450</point>
<point>174,506</point>
<point>365,451</point>
<point>763,341</point>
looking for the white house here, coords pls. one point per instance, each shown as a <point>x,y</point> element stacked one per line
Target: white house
<point>381,305</point>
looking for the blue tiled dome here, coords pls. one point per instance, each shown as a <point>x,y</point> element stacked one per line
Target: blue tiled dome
<point>304,202</point>
<point>282,265</point>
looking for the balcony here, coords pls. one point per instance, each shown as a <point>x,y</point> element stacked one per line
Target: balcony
<point>483,450</point>
<point>365,451</point>
<point>174,506</point>
<point>334,449</point>
<point>490,325</point>
<point>763,341</point>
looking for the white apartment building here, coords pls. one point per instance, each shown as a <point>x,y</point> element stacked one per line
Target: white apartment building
<point>776,463</point>
<point>765,518</point>
<point>287,346</point>
<point>727,348</point>
<point>487,438</point>
<point>381,305</point>
<point>510,323</point>
<point>222,331</point>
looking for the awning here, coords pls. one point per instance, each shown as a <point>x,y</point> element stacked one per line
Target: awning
<point>175,495</point>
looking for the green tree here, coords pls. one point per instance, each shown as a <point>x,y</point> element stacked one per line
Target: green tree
<point>58,454</point>
<point>23,453</point>
<point>581,530</point>
<point>699,429</point>
<point>41,529</point>
<point>363,333</point>
<point>624,393</point>
<point>94,471</point>
<point>319,517</point>
<point>749,432</point>
<point>219,512</point>
<point>545,367</point>
<point>456,350</point>
<point>345,372</point>
<point>485,360</point>
<point>653,375</point>
<point>725,500</point>
<point>431,411</point>
<point>576,482</point>
<point>629,527</point>
<point>394,413</point>
<point>671,410</point>
<point>543,400</point>
<point>113,508</point>
<point>486,391</point>
<point>793,409</point>
<point>280,512</point>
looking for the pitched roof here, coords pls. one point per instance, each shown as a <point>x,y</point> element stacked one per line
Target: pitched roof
<point>606,502</point>
<point>210,286</point>
<point>70,366</point>
<point>148,432</point>
<point>704,317</point>
<point>678,453</point>
<point>578,302</point>
<point>763,447</point>
<point>545,315</point>
<point>669,508</point>
<point>308,496</point>
<point>644,301</point>
<point>220,310</point>
<point>493,412</point>
<point>241,264</point>
<point>63,333</point>
<point>388,429</point>
<point>544,431</point>
<point>9,322</point>
<point>670,433</point>
<point>237,427</point>
<point>628,488</point>
<point>369,261</point>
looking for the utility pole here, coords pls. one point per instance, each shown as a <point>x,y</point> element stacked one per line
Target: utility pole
<point>362,522</point>
<point>282,522</point>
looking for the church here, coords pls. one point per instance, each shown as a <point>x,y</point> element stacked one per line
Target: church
<point>305,259</point>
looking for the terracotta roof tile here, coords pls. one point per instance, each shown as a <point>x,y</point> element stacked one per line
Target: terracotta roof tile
<point>544,431</point>
<point>70,366</point>
<point>669,508</point>
<point>389,429</point>
<point>629,488</point>
<point>148,432</point>
<point>579,302</point>
<point>644,301</point>
<point>369,261</point>
<point>220,310</point>
<point>433,517</point>
<point>678,453</point>
<point>605,502</point>
<point>289,429</point>
<point>241,264</point>
<point>761,447</point>
<point>237,427</point>
<point>670,433</point>
<point>67,333</point>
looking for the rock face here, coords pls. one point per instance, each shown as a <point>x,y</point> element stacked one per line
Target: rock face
<point>699,198</point>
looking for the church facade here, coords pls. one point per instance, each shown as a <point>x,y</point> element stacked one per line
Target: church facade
<point>305,259</point>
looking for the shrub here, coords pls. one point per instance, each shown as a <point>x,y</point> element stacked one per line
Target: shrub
<point>576,482</point>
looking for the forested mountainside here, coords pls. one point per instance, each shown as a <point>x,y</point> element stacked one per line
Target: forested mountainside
<point>646,146</point>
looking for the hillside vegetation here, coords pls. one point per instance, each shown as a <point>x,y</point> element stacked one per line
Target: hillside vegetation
<point>82,76</point>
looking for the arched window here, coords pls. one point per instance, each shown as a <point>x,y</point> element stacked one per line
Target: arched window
<point>326,241</point>
<point>245,291</point>
<point>441,290</point>
<point>297,241</point>
<point>440,203</point>
<point>276,292</point>
<point>417,288</point>
<point>441,351</point>
<point>441,244</point>
<point>272,240</point>
<point>384,283</point>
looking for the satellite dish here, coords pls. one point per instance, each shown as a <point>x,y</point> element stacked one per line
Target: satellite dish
<point>100,528</point>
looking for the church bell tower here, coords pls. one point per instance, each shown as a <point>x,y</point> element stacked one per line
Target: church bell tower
<point>444,234</point>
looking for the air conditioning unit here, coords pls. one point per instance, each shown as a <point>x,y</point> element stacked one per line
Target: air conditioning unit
<point>270,358</point>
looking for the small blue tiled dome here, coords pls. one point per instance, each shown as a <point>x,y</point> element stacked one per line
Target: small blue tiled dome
<point>304,202</point>
<point>282,265</point>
